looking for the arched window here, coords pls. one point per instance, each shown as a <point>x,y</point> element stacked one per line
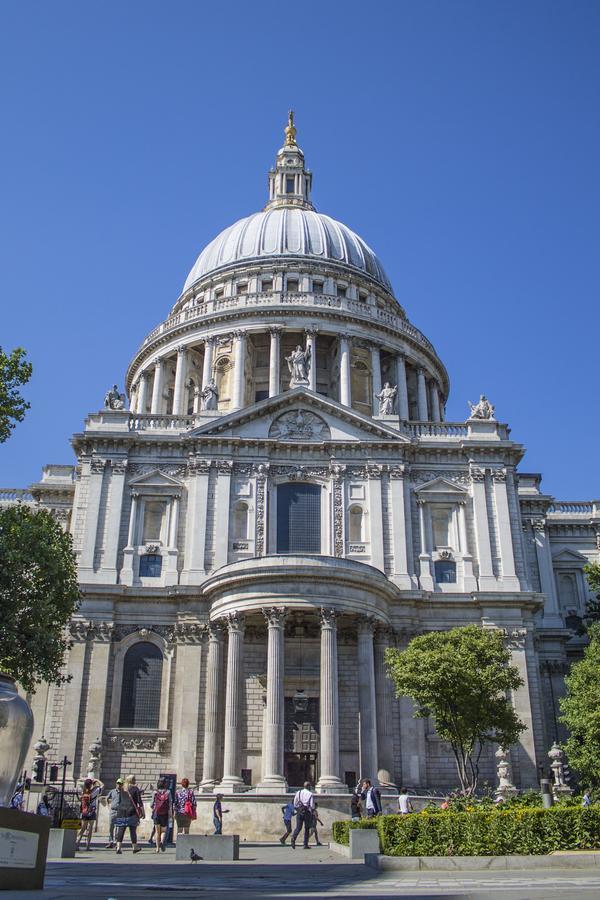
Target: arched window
<point>298,518</point>
<point>355,524</point>
<point>222,372</point>
<point>150,565</point>
<point>140,691</point>
<point>445,571</point>
<point>240,522</point>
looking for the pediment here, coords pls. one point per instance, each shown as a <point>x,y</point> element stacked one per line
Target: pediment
<point>570,556</point>
<point>157,481</point>
<point>441,487</point>
<point>299,416</point>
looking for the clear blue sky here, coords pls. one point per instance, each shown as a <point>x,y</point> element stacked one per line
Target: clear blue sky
<point>460,139</point>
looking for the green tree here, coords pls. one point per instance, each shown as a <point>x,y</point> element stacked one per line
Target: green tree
<point>592,613</point>
<point>14,372</point>
<point>581,711</point>
<point>38,595</point>
<point>462,679</point>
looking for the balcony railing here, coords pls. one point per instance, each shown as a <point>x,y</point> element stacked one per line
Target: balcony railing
<point>575,508</point>
<point>15,495</point>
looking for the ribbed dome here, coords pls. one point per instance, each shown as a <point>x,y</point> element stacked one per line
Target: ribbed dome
<point>287,231</point>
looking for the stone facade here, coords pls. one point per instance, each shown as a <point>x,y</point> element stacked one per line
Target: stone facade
<point>267,517</point>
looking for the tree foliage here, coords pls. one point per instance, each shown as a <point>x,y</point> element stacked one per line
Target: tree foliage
<point>38,595</point>
<point>462,679</point>
<point>581,711</point>
<point>14,372</point>
<point>592,613</point>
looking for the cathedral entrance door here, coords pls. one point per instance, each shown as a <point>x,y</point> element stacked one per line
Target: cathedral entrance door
<point>301,739</point>
<point>300,767</point>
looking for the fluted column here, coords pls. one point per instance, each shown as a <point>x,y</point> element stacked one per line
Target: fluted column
<point>421,395</point>
<point>157,387</point>
<point>345,383</point>
<point>311,343</point>
<point>214,667</point>
<point>232,780</point>
<point>330,781</point>
<point>273,778</point>
<point>403,410</point>
<point>239,354</point>
<point>435,403</point>
<point>207,366</point>
<point>142,394</point>
<point>366,700</point>
<point>384,704</point>
<point>376,374</point>
<point>179,390</point>
<point>274,360</point>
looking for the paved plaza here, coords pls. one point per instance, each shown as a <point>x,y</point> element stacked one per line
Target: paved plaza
<point>271,871</point>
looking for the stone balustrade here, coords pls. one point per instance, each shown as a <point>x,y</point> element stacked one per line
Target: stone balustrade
<point>9,496</point>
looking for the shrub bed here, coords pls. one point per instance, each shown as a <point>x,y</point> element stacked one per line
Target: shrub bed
<point>522,831</point>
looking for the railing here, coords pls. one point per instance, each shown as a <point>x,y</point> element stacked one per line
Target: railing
<point>162,423</point>
<point>278,299</point>
<point>15,495</point>
<point>573,507</point>
<point>436,429</point>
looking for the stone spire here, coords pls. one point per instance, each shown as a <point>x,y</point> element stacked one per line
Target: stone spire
<point>290,181</point>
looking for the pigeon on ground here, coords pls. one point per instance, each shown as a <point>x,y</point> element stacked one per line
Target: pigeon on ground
<point>194,856</point>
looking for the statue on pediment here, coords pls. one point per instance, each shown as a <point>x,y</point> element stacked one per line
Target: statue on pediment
<point>209,398</point>
<point>483,409</point>
<point>299,365</point>
<point>113,399</point>
<point>387,398</point>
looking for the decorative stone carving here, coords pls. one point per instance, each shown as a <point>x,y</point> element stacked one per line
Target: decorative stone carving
<point>224,466</point>
<point>299,363</point>
<point>198,466</point>
<point>357,548</point>
<point>259,530</point>
<point>40,747</point>
<point>240,545</point>
<point>210,396</point>
<point>97,465</point>
<point>235,622</point>
<point>80,630</point>
<point>560,788</point>
<point>505,787</point>
<point>515,638</point>
<point>387,399</point>
<point>397,471</point>
<point>147,743</point>
<point>274,615</point>
<point>483,409</point>
<point>300,425</point>
<point>421,476</point>
<point>113,399</point>
<point>93,768</point>
<point>146,468</point>
<point>328,617</point>
<point>477,474</point>
<point>499,475</point>
<point>337,474</point>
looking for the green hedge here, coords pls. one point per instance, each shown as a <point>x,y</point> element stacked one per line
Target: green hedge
<point>493,833</point>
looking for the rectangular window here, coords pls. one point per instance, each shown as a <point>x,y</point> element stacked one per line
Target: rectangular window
<point>150,565</point>
<point>292,285</point>
<point>154,513</point>
<point>242,287</point>
<point>219,293</point>
<point>440,519</point>
<point>267,284</point>
<point>299,518</point>
<point>341,291</point>
<point>290,184</point>
<point>317,286</point>
<point>260,395</point>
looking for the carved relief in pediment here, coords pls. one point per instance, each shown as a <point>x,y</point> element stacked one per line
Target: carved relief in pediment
<point>300,425</point>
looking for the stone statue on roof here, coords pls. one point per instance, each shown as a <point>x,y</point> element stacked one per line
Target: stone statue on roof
<point>113,399</point>
<point>483,409</point>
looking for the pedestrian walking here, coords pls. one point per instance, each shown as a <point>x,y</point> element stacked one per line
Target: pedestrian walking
<point>586,800</point>
<point>162,811</point>
<point>126,816</point>
<point>44,808</point>
<point>218,813</point>
<point>17,801</point>
<point>304,804</point>
<point>92,788</point>
<point>404,804</point>
<point>288,813</point>
<point>313,828</point>
<point>355,805</point>
<point>185,807</point>
<point>112,797</point>
<point>371,798</point>
<point>136,796</point>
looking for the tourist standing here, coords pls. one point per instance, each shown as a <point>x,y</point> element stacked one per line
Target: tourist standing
<point>371,799</point>
<point>162,811</point>
<point>43,807</point>
<point>218,812</point>
<point>17,801</point>
<point>355,805</point>
<point>586,800</point>
<point>136,796</point>
<point>125,817</point>
<point>313,828</point>
<point>288,813</point>
<point>112,797</point>
<point>92,788</point>
<point>304,804</point>
<point>185,807</point>
<point>404,804</point>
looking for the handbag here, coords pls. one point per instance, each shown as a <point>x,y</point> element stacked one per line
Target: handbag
<point>188,808</point>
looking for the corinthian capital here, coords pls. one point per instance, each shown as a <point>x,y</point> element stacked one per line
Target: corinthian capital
<point>274,616</point>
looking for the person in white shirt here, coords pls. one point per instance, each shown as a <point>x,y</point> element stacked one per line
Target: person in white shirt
<point>371,798</point>
<point>404,804</point>
<point>304,804</point>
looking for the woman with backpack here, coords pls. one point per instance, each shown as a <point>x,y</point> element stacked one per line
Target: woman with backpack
<point>92,788</point>
<point>162,811</point>
<point>126,816</point>
<point>185,807</point>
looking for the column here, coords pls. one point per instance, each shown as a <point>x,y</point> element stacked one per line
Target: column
<point>366,700</point>
<point>329,782</point>
<point>435,402</point>
<point>425,573</point>
<point>232,780</point>
<point>551,613</point>
<point>95,700</point>
<point>403,410</point>
<point>401,533</point>
<point>73,697</point>
<point>311,343</point>
<point>384,704</point>
<point>239,355</point>
<point>207,366</point>
<point>142,394</point>
<point>214,668</point>
<point>469,580</point>
<point>422,396</point>
<point>274,359</point>
<point>222,504</point>
<point>376,516</point>
<point>128,552</point>
<point>88,549</point>
<point>509,582</point>
<point>482,530</point>
<point>171,575</point>
<point>157,387</point>
<point>118,468</point>
<point>179,391</point>
<point>526,701</point>
<point>345,384</point>
<point>188,662</point>
<point>273,778</point>
<point>376,373</point>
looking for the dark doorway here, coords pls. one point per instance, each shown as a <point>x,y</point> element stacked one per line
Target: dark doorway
<point>300,767</point>
<point>301,739</point>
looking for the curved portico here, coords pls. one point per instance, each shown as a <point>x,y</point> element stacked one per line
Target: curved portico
<point>294,596</point>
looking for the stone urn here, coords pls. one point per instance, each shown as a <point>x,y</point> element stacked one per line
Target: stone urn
<point>16,729</point>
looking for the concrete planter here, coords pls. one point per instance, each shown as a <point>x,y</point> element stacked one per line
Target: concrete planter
<point>208,846</point>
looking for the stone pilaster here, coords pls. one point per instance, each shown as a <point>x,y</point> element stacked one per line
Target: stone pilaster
<point>376,375</point>
<point>186,699</point>
<point>403,410</point>
<point>232,780</point>
<point>422,395</point>
<point>487,579</point>
<point>273,778</point>
<point>118,468</point>
<point>384,703</point>
<point>274,359</point>
<point>195,526</point>
<point>311,342</point>
<point>239,362</point>
<point>330,781</point>
<point>88,549</point>
<point>345,382</point>
<point>510,582</point>
<point>366,700</point>
<point>212,703</point>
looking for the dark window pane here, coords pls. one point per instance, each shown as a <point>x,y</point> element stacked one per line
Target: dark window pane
<point>140,693</point>
<point>150,565</point>
<point>289,184</point>
<point>298,518</point>
<point>445,572</point>
<point>260,395</point>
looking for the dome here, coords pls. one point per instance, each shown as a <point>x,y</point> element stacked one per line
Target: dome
<point>290,231</point>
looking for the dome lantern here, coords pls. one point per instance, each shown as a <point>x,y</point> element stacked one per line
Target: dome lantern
<point>290,182</point>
